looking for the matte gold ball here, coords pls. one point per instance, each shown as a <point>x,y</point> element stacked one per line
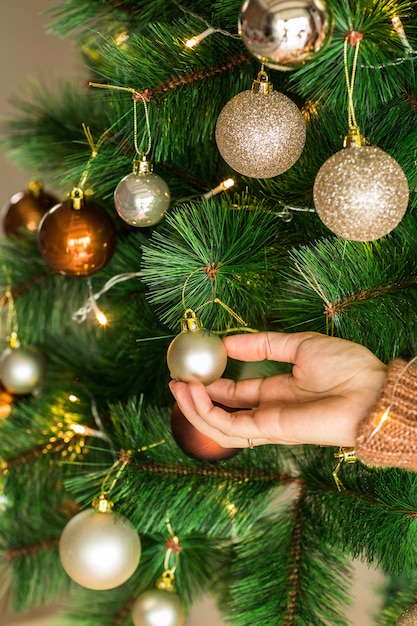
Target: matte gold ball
<point>284,34</point>
<point>409,617</point>
<point>157,607</point>
<point>260,135</point>
<point>198,356</point>
<point>99,550</point>
<point>361,193</point>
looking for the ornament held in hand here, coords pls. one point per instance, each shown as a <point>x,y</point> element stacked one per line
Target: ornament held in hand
<point>157,607</point>
<point>284,34</point>
<point>24,211</point>
<point>194,443</point>
<point>142,197</point>
<point>99,549</point>
<point>21,368</point>
<point>196,354</point>
<point>361,193</point>
<point>77,237</point>
<point>260,132</point>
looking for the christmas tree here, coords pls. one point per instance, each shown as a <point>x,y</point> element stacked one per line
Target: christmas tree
<point>239,168</point>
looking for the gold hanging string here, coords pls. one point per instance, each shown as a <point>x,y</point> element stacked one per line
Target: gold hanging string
<point>95,147</point>
<point>315,286</point>
<point>350,80</point>
<point>11,317</point>
<point>215,299</point>
<point>136,96</point>
<point>174,548</point>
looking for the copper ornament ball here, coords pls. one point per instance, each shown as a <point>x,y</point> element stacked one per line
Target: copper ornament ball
<point>77,242</point>
<point>25,209</point>
<point>195,444</point>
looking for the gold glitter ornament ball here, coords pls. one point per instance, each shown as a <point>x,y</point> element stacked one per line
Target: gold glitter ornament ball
<point>361,193</point>
<point>284,34</point>
<point>409,617</point>
<point>260,135</point>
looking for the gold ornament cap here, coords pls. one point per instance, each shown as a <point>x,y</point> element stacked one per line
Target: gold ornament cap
<point>77,197</point>
<point>354,138</point>
<point>192,323</point>
<point>142,167</point>
<point>261,84</point>
<point>35,188</point>
<point>102,504</point>
<point>166,582</point>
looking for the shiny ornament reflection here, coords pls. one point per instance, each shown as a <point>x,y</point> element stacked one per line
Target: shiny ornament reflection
<point>284,34</point>
<point>77,242</point>
<point>361,193</point>
<point>21,369</point>
<point>157,607</point>
<point>142,197</point>
<point>99,550</point>
<point>259,134</point>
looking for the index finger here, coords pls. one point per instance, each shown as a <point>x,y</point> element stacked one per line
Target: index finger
<point>271,346</point>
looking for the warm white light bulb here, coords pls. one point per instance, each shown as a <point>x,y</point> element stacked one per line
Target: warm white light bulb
<point>191,43</point>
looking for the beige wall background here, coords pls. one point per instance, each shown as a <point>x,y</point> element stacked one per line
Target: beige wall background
<point>26,51</point>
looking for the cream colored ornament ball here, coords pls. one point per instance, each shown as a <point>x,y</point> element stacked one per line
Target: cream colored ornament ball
<point>260,135</point>
<point>99,550</point>
<point>361,193</point>
<point>157,607</point>
<point>409,617</point>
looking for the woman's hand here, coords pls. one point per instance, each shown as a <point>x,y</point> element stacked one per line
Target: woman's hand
<point>333,385</point>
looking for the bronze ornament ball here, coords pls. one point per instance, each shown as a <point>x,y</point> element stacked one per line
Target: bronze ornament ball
<point>361,193</point>
<point>195,444</point>
<point>260,135</point>
<point>158,607</point>
<point>77,242</point>
<point>25,209</point>
<point>284,34</point>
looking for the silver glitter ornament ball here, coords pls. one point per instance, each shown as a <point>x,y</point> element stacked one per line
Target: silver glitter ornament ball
<point>284,34</point>
<point>21,369</point>
<point>142,197</point>
<point>99,550</point>
<point>260,135</point>
<point>196,354</point>
<point>158,608</point>
<point>409,617</point>
<point>361,193</point>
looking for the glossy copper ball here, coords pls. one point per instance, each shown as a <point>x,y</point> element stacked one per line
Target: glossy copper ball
<point>195,444</point>
<point>25,209</point>
<point>77,242</point>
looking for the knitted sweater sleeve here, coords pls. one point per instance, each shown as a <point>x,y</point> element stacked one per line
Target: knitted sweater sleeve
<point>388,435</point>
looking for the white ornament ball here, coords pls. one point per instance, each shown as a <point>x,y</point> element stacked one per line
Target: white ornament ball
<point>158,608</point>
<point>99,550</point>
<point>260,135</point>
<point>21,369</point>
<point>197,356</point>
<point>284,34</point>
<point>361,193</point>
<point>142,199</point>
